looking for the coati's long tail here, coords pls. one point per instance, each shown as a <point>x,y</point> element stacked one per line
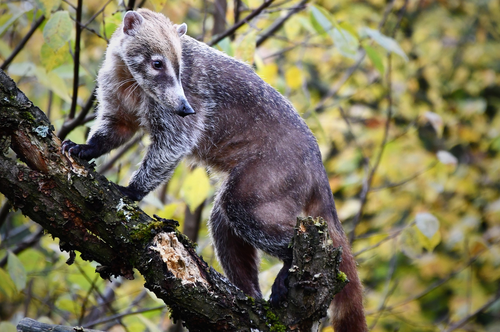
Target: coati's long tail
<point>347,306</point>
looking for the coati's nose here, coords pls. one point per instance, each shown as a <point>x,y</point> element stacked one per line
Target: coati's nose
<point>185,109</point>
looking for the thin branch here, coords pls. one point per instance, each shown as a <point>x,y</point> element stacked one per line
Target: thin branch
<point>442,281</point>
<point>22,43</point>
<point>82,118</point>
<point>107,166</point>
<point>388,291</point>
<point>239,24</point>
<point>336,87</point>
<point>351,133</point>
<point>278,24</point>
<point>96,14</point>
<point>4,212</point>
<point>92,283</point>
<point>28,243</point>
<point>389,237</point>
<point>464,320</point>
<point>131,5</point>
<point>87,295</point>
<point>369,179</point>
<point>76,61</point>
<point>413,177</point>
<point>118,316</point>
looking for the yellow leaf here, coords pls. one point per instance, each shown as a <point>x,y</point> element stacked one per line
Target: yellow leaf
<point>293,77</point>
<point>292,28</point>
<point>268,73</point>
<point>169,210</point>
<point>428,243</point>
<point>195,188</point>
<point>410,244</point>
<point>158,4</point>
<point>245,47</point>
<point>52,59</point>
<point>53,82</point>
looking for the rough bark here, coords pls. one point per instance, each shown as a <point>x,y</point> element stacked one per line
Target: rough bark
<point>82,208</point>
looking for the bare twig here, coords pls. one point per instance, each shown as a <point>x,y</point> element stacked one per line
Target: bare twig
<point>119,316</point>
<point>82,118</point>
<point>389,237</point>
<point>442,281</point>
<point>413,177</point>
<point>97,14</point>
<point>22,43</point>
<point>28,243</point>
<point>388,291</point>
<point>464,320</point>
<point>131,5</point>
<point>107,166</point>
<point>369,179</point>
<point>239,24</point>
<point>367,183</point>
<point>279,23</point>
<point>76,61</point>
<point>4,212</point>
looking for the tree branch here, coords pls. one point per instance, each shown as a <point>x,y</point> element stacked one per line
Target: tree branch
<point>81,207</point>
<point>239,24</point>
<point>22,43</point>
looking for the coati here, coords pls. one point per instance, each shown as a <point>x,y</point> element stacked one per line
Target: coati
<point>198,102</point>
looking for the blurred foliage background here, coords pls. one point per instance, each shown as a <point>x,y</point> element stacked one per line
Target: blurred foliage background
<point>402,95</point>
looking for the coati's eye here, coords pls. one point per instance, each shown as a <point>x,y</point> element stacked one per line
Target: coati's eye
<point>157,64</point>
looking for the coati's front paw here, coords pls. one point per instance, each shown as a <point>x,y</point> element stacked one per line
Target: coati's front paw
<point>83,151</point>
<point>131,193</point>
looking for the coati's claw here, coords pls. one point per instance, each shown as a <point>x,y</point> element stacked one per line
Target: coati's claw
<point>83,151</point>
<point>131,193</point>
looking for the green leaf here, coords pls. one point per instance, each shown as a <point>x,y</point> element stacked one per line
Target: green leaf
<point>54,58</point>
<point>346,43</point>
<point>426,242</point>
<point>47,6</point>
<point>111,24</point>
<point>225,46</point>
<point>386,42</point>
<point>321,19</point>
<point>53,82</point>
<point>11,21</point>
<point>16,271</point>
<point>375,58</point>
<point>57,31</point>
<point>158,4</point>
<point>26,69</point>
<point>245,47</point>
<point>67,304</point>
<point>7,286</point>
<point>195,188</point>
<point>410,244</point>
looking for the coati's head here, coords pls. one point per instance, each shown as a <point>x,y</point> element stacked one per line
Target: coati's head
<point>151,49</point>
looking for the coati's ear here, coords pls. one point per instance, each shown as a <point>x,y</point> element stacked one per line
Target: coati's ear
<point>182,29</point>
<point>131,23</point>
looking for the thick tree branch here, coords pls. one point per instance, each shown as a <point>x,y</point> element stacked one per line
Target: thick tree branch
<point>73,202</point>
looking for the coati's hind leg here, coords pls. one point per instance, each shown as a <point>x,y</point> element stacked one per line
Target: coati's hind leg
<point>280,285</point>
<point>237,257</point>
